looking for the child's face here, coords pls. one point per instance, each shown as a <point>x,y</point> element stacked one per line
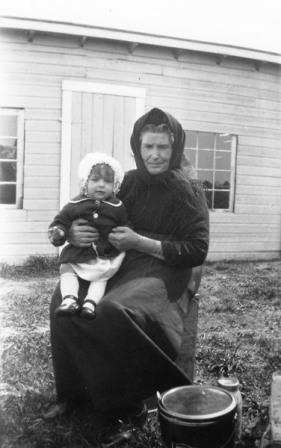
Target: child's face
<point>100,183</point>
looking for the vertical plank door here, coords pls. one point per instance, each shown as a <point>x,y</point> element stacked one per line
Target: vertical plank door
<point>96,118</point>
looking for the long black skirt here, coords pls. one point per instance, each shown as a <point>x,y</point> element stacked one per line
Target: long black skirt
<point>128,351</point>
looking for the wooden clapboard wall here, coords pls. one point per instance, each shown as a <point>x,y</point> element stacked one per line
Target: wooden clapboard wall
<point>228,96</point>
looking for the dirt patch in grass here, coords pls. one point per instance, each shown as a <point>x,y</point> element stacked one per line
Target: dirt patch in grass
<point>238,333</point>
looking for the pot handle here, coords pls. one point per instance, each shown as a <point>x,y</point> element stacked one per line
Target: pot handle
<point>158,395</point>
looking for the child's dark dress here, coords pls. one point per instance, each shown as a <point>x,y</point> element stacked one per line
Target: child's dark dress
<point>103,215</point>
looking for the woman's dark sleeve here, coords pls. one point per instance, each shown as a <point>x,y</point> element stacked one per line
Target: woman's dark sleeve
<point>192,247</point>
<point>123,221</point>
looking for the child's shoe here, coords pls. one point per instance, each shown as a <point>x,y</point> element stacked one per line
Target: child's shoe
<point>68,306</point>
<point>88,310</point>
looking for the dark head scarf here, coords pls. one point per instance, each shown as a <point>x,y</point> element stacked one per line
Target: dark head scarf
<point>157,116</point>
<point>179,175</point>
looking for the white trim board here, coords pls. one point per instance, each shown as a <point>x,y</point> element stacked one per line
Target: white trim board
<point>68,87</point>
<point>109,89</point>
<point>65,145</point>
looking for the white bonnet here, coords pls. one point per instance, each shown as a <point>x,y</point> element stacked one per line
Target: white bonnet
<point>95,158</point>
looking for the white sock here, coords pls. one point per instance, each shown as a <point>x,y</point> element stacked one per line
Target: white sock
<point>96,291</point>
<point>69,284</point>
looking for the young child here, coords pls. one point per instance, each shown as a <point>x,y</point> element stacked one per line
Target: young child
<point>100,176</point>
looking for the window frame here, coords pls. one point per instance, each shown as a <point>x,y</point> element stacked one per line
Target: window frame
<point>232,169</point>
<point>19,113</point>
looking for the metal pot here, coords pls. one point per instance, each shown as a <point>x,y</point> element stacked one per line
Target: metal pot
<point>197,417</point>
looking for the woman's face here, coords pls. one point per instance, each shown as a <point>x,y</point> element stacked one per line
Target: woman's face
<point>156,151</point>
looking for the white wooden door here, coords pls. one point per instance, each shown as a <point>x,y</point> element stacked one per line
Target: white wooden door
<point>96,117</point>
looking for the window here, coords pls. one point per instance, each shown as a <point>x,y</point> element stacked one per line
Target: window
<point>11,157</point>
<point>213,157</point>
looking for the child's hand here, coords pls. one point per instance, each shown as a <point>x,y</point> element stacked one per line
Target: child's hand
<point>56,236</point>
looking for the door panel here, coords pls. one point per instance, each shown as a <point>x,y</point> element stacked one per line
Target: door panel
<point>104,123</point>
<point>86,123</point>
<point>96,117</point>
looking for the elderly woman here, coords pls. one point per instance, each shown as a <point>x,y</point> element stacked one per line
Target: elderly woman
<point>128,352</point>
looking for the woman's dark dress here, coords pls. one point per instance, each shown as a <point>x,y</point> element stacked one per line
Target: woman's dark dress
<point>126,353</point>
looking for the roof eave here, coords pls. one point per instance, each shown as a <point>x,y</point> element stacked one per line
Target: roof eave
<point>137,38</point>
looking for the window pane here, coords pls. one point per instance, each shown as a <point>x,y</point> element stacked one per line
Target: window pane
<point>223,141</point>
<point>8,125</point>
<point>206,178</point>
<point>211,154</point>
<point>186,161</point>
<point>222,180</point>
<point>205,159</point>
<point>8,148</point>
<point>8,171</point>
<point>191,139</point>
<point>208,195</point>
<point>206,140</point>
<point>7,194</point>
<point>191,155</point>
<point>223,160</point>
<point>221,199</point>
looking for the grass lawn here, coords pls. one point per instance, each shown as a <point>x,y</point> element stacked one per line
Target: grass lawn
<point>239,332</point>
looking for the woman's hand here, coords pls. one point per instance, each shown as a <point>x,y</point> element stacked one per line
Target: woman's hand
<point>81,234</point>
<point>123,238</point>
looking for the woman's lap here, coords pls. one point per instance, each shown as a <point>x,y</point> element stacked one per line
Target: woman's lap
<point>121,355</point>
<point>146,301</point>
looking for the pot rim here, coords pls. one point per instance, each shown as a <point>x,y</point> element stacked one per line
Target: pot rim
<point>169,413</point>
